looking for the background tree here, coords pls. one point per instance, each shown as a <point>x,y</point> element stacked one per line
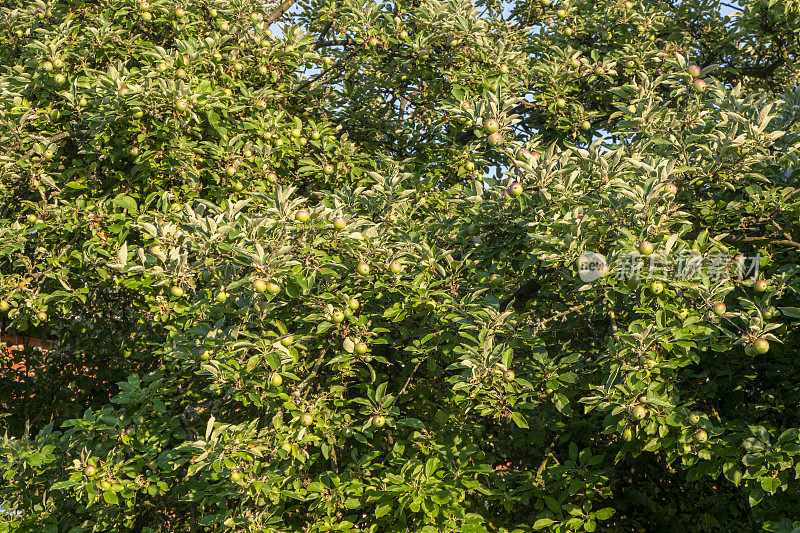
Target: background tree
<point>275,266</point>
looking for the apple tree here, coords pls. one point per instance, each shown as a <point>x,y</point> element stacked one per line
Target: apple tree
<point>427,266</point>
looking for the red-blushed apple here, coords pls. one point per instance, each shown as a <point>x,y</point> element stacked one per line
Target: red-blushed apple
<point>646,248</point>
<point>339,223</point>
<point>761,345</point>
<point>694,71</point>
<point>495,139</point>
<point>491,126</point>
<point>720,308</point>
<point>699,86</point>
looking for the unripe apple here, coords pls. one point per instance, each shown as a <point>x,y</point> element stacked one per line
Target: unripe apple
<point>47,66</point>
<point>60,79</point>
<point>509,375</point>
<point>223,25</point>
<point>378,421</point>
<point>638,412</point>
<point>599,70</point>
<point>361,347</point>
<point>205,356</point>
<point>561,103</point>
<point>404,34</point>
<point>700,436</point>
<point>302,215</point>
<point>176,291</point>
<point>694,418</point>
<point>395,267</point>
<point>4,306</point>
<point>363,268</point>
<point>515,189</point>
<point>260,285</point>
<point>491,126</point>
<point>181,105</point>
<point>42,316</point>
<point>90,470</point>
<point>761,285</point>
<point>646,248</point>
<point>496,280</point>
<point>372,42</point>
<point>628,5</point>
<point>273,288</point>
<point>276,380</point>
<point>236,476</point>
<point>306,419</point>
<point>694,71</point>
<point>222,296</point>
<point>671,189</point>
<point>657,287</point>
<point>353,304</point>
<point>272,177</point>
<point>761,345</point>
<point>469,166</point>
<point>503,69</point>
<point>337,316</point>
<point>586,125</point>
<point>287,341</point>
<point>699,85</point>
<point>720,308</point>
<point>179,12</point>
<point>495,139</point>
<point>627,434</point>
<point>339,223</point>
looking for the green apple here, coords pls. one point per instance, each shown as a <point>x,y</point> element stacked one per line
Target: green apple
<point>339,223</point>
<point>694,418</point>
<point>287,341</point>
<point>260,285</point>
<point>395,267</point>
<point>361,348</point>
<point>302,215</point>
<point>646,248</point>
<point>176,291</point>
<point>639,412</point>
<point>273,288</point>
<point>700,436</point>
<point>363,268</point>
<point>657,287</point>
<point>222,296</point>
<point>276,380</point>
<point>761,345</point>
<point>509,375</point>
<point>4,306</point>
<point>337,316</point>
<point>491,126</point>
<point>306,419</point>
<point>378,421</point>
<point>720,308</point>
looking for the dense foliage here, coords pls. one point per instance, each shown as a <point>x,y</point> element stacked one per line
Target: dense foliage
<point>332,278</point>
